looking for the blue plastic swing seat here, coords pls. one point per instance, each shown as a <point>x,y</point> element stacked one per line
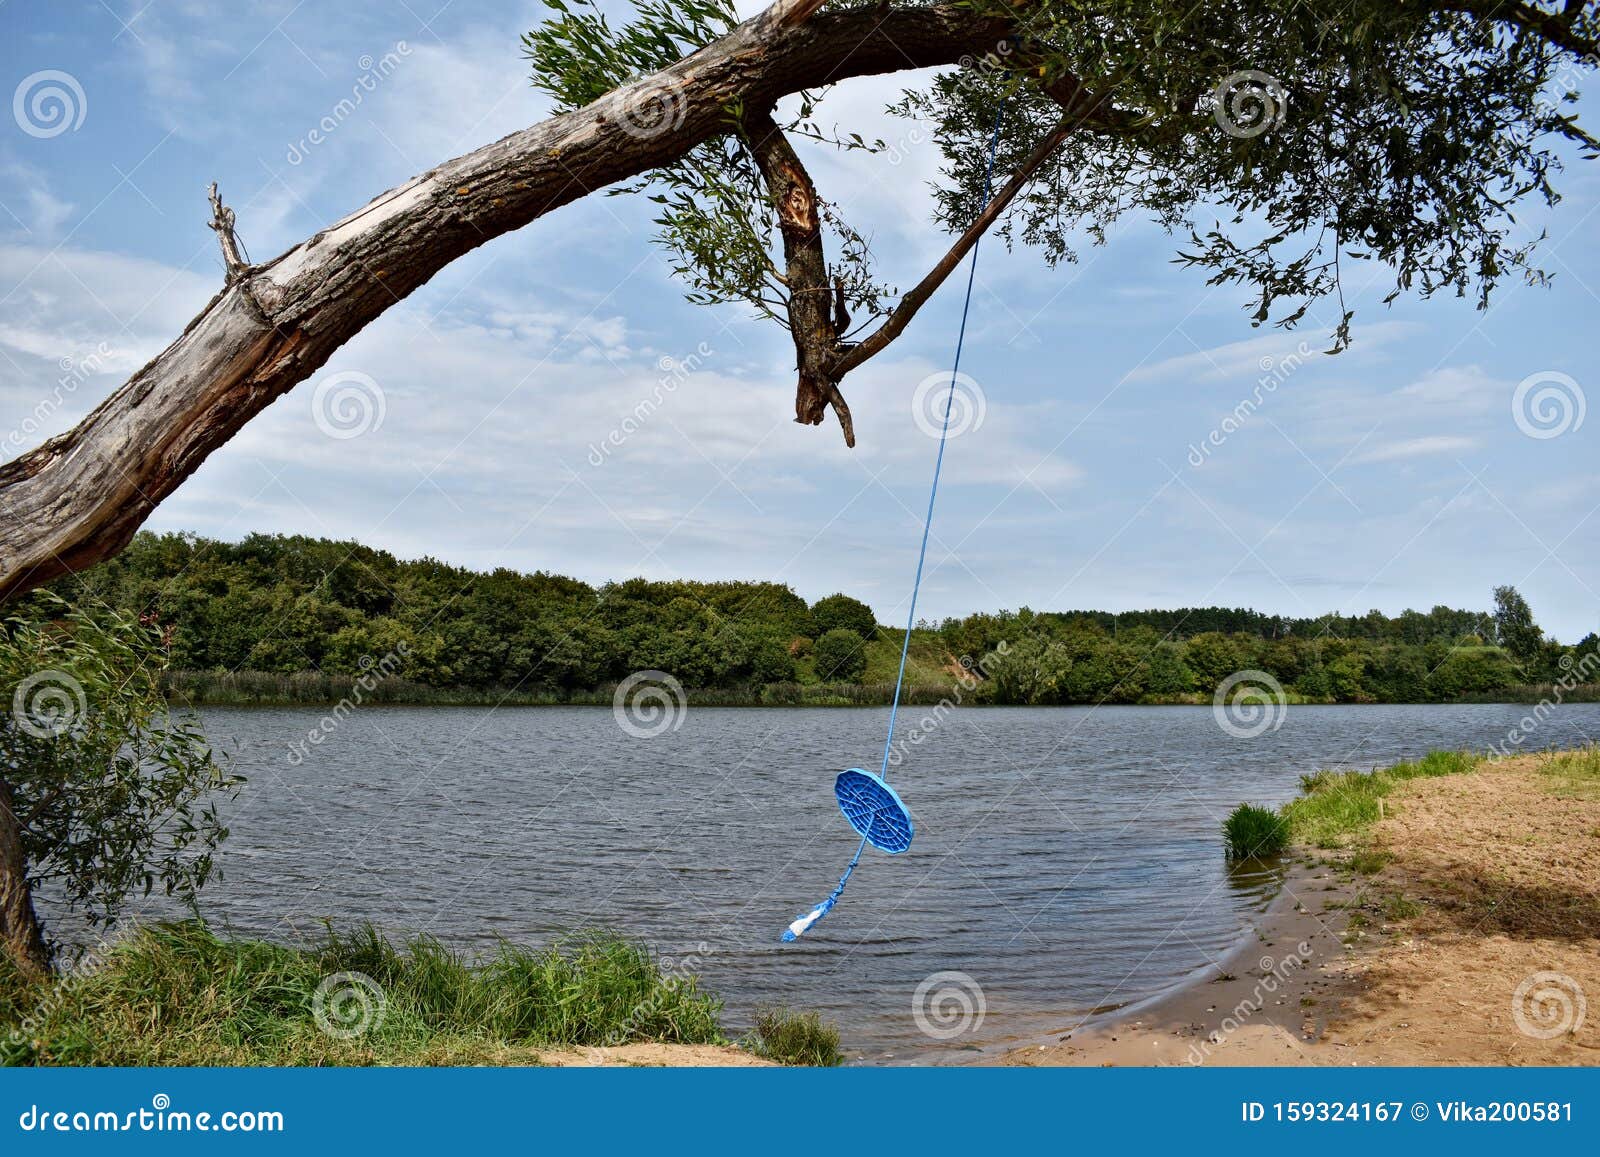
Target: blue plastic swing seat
<point>874,810</point>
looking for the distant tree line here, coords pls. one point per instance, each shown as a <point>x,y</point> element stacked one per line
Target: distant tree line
<point>1143,656</point>
<point>290,605</point>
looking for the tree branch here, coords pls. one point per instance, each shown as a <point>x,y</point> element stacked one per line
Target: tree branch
<point>222,219</point>
<point>80,497</point>
<point>875,342</point>
<point>793,13</point>
<point>810,297</point>
<point>1557,29</point>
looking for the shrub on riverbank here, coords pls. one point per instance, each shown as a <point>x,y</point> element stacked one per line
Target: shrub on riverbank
<point>1337,805</point>
<point>795,1038</point>
<point>176,994</point>
<point>1251,831</point>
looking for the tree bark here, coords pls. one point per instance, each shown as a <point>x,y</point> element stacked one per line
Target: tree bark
<point>20,935</point>
<point>80,497</point>
<point>811,310</point>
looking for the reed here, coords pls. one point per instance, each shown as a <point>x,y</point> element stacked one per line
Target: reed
<point>177,994</point>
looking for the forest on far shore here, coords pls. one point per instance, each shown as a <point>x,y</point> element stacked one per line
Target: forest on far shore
<point>294,618</point>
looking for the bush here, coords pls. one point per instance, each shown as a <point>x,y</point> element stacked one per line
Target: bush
<point>843,613</point>
<point>118,793</point>
<point>841,657</point>
<point>771,662</point>
<point>795,1038</point>
<point>1252,831</point>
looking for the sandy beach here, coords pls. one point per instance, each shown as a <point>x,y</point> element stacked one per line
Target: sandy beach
<point>1469,935</point>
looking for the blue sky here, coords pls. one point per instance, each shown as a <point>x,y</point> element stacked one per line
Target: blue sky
<point>1394,475</point>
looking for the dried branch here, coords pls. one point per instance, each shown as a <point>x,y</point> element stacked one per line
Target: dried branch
<point>222,221</point>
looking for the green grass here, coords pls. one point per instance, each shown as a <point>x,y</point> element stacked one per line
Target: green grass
<point>176,994</point>
<point>1338,806</point>
<point>795,1038</point>
<point>1369,861</point>
<point>1251,831</point>
<point>1576,773</point>
<point>1398,907</point>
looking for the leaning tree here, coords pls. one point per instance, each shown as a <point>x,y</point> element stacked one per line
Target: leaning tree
<point>1280,141</point>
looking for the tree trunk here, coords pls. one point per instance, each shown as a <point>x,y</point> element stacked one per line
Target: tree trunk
<point>812,317</point>
<point>80,497</point>
<point>20,935</point>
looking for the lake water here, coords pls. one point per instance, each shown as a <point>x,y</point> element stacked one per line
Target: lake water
<point>1066,859</point>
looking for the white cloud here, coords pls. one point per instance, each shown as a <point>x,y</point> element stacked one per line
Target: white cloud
<point>1259,356</point>
<point>1424,446</point>
<point>1458,387</point>
<point>448,98</point>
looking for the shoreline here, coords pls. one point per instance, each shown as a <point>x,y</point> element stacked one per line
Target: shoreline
<point>1473,937</point>
<point>1257,1003</point>
<point>919,697</point>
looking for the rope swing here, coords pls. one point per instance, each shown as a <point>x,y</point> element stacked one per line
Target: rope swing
<point>872,807</point>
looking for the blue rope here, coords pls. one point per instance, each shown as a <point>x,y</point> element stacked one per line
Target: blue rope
<point>938,463</point>
<point>800,925</point>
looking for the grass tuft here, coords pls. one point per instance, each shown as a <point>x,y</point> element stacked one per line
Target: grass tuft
<point>1398,907</point>
<point>795,1038</point>
<point>1370,861</point>
<point>1251,831</point>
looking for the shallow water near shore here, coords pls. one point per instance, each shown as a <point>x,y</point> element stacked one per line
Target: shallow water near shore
<point>1066,859</point>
